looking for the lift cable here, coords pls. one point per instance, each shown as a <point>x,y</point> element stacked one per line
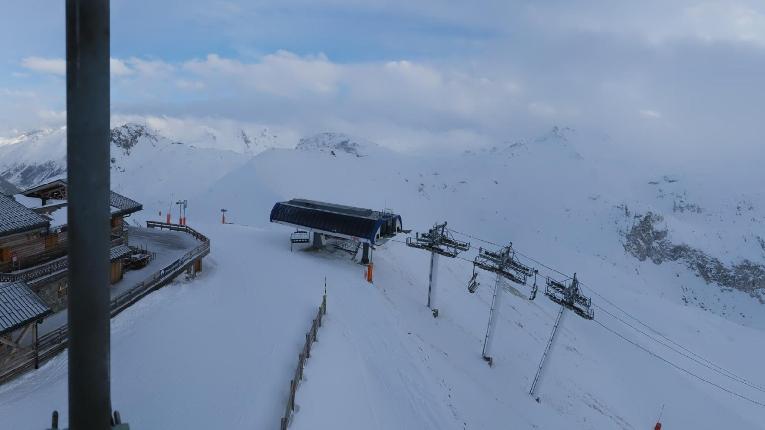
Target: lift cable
<point>657,332</point>
<point>708,365</point>
<point>682,369</point>
<point>518,253</point>
<point>701,359</point>
<point>698,358</point>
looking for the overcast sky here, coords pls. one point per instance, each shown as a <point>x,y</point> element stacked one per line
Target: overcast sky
<point>660,77</point>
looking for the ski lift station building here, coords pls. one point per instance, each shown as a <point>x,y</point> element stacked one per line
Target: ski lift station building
<point>366,226</point>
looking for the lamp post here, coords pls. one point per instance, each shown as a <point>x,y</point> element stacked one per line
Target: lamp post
<point>182,205</point>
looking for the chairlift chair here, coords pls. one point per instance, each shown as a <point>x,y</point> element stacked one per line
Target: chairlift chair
<point>473,282</point>
<point>299,236</point>
<point>534,289</point>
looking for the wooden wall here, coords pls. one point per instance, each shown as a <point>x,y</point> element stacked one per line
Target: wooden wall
<point>24,245</point>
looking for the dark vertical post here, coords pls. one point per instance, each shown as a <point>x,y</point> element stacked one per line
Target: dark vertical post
<point>365,254</point>
<point>37,347</point>
<point>87,106</point>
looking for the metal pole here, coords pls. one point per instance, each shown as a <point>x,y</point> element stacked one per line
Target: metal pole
<point>87,104</point>
<point>37,347</point>
<point>495,300</point>
<point>547,350</point>
<point>432,282</point>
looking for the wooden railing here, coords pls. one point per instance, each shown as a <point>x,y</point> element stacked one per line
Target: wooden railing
<point>56,262</point>
<point>310,338</point>
<point>177,227</point>
<point>161,277</point>
<point>52,343</point>
<point>37,272</point>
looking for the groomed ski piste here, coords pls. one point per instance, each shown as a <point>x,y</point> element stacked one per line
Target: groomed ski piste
<point>219,351</point>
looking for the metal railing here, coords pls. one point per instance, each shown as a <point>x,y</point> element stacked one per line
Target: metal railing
<point>310,338</point>
<point>52,343</point>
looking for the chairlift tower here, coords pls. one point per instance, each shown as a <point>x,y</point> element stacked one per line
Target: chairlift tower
<point>568,297</point>
<point>439,241</point>
<point>506,267</point>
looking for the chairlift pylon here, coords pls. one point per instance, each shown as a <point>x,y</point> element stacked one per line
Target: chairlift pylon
<point>570,296</point>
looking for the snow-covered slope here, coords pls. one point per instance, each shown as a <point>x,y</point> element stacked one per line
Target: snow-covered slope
<point>146,165</point>
<point>384,362</point>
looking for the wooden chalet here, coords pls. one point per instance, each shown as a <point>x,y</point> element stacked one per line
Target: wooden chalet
<point>21,310</point>
<point>33,239</point>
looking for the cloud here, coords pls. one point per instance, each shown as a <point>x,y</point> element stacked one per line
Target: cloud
<point>649,113</point>
<point>664,78</point>
<point>119,68</point>
<point>55,66</point>
<point>281,74</point>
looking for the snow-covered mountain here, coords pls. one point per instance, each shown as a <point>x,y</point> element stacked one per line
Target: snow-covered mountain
<point>144,163</point>
<point>673,262</point>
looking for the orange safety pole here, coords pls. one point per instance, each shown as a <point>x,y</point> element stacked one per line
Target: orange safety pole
<point>168,217</point>
<point>370,268</point>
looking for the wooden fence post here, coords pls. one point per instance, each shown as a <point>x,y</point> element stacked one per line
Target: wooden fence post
<point>310,337</point>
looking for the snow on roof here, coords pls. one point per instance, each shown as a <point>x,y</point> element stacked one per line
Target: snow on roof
<point>45,186</point>
<point>331,218</point>
<point>15,217</point>
<point>30,202</point>
<point>123,204</point>
<point>58,217</point>
<point>337,208</point>
<point>119,251</point>
<point>19,305</point>
<point>120,204</point>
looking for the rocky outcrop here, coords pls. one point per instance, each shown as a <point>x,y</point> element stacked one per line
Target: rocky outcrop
<point>128,135</point>
<point>28,175</point>
<point>646,240</point>
<point>334,143</point>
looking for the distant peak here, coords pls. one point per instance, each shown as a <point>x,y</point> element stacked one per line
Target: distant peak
<point>560,134</point>
<point>335,143</point>
<point>127,136</point>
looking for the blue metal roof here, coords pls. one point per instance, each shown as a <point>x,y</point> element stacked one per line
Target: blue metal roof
<point>359,223</point>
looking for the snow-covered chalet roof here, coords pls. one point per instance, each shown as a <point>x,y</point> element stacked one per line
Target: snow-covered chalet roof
<point>56,190</point>
<point>19,305</point>
<point>118,252</point>
<point>15,217</point>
